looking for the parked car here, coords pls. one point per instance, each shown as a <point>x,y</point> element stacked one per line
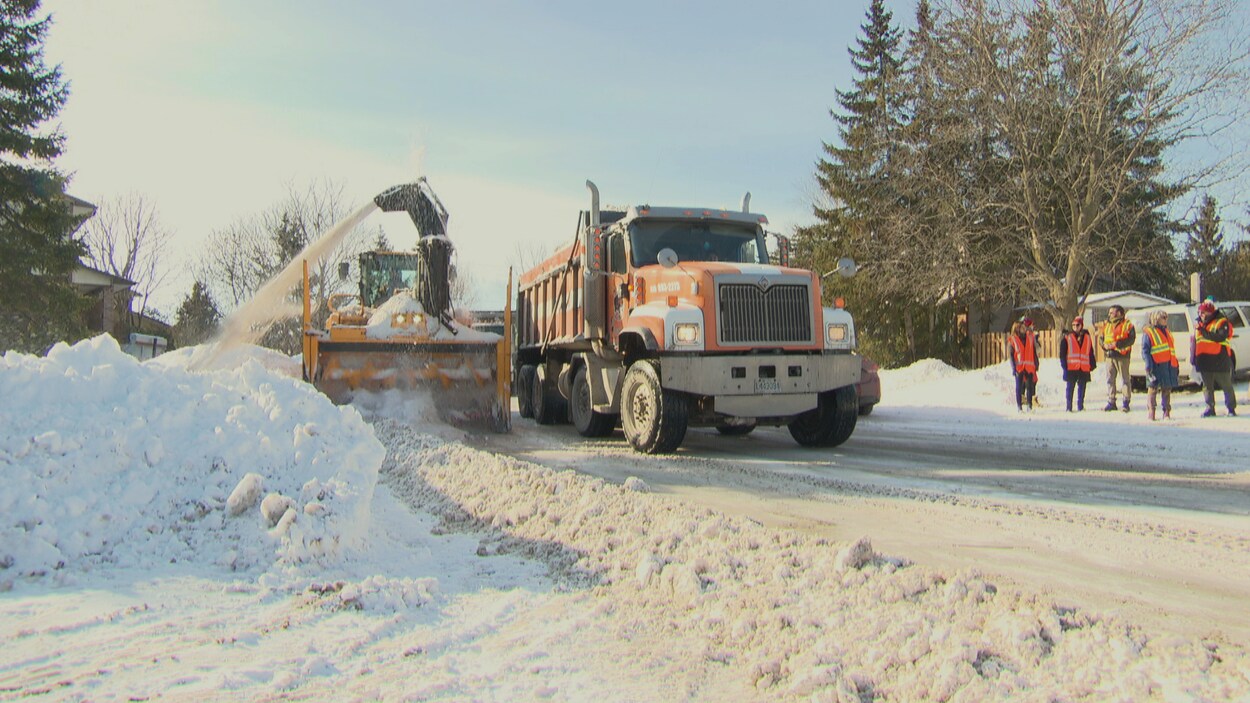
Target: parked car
<point>1181,322</point>
<point>869,386</point>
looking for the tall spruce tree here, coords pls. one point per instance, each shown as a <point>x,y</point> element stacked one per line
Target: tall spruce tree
<point>1204,248</point>
<point>37,253</point>
<point>858,181</point>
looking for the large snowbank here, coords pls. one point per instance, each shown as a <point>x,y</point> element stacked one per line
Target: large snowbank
<point>106,460</point>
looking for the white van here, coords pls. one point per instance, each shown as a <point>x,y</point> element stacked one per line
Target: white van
<point>1181,322</point>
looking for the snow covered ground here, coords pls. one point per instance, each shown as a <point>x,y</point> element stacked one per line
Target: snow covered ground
<point>227,534</point>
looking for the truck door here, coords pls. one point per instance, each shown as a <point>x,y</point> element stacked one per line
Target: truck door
<point>618,281</point>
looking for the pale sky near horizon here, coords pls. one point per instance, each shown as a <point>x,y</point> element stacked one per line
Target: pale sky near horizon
<point>214,110</point>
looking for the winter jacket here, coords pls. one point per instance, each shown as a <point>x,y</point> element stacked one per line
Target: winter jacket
<point>1074,342</point>
<point>1160,359</point>
<point>1210,351</point>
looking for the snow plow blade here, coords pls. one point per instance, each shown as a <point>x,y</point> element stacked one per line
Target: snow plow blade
<point>462,379</point>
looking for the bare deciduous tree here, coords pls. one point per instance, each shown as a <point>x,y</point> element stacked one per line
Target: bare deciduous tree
<point>126,239</point>
<point>1078,102</point>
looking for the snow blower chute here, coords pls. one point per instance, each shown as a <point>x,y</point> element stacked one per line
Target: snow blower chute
<point>397,331</point>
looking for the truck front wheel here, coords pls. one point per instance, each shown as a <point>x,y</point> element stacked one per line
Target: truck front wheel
<point>588,422</point>
<point>653,418</point>
<point>831,422</point>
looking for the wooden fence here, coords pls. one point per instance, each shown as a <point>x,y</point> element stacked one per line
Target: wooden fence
<point>991,348</point>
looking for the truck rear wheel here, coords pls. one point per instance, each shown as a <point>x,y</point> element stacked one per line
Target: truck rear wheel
<point>588,422</point>
<point>653,418</point>
<point>525,390</point>
<point>831,422</point>
<point>549,406</point>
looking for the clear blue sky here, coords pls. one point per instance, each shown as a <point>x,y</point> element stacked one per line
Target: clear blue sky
<point>212,110</point>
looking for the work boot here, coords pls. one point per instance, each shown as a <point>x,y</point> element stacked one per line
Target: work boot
<point>1232,412</point>
<point>1167,414</point>
<point>1125,406</point>
<point>1110,406</point>
<point>1150,412</point>
<point>1209,412</point>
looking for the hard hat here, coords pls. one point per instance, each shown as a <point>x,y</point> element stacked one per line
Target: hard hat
<point>1078,320</point>
<point>1206,306</point>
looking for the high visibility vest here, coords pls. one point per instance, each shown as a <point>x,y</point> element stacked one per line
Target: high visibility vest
<point>1114,334</point>
<point>1022,352</point>
<point>1162,348</point>
<point>1206,347</point>
<point>1080,352</point>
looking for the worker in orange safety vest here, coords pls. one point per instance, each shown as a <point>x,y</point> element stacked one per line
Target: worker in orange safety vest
<point>1212,356</point>
<point>1118,337</point>
<point>1023,353</point>
<point>1158,351</point>
<point>1076,355</point>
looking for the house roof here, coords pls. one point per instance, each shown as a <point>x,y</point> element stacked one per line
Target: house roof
<point>1127,298</point>
<point>92,278</point>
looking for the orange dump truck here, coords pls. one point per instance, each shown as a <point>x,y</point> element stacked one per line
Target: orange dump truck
<point>662,318</point>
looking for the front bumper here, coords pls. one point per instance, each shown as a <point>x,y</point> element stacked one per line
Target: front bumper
<point>763,385</point>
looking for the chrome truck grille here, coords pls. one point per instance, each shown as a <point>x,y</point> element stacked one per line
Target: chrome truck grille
<point>755,314</point>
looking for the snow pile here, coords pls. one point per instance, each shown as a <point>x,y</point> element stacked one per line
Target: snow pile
<point>795,617</point>
<point>932,383</point>
<point>404,316</point>
<point>107,460</point>
<point>923,371</point>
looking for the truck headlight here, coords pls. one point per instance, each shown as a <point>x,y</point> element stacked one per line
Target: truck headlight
<point>835,333</point>
<point>687,332</point>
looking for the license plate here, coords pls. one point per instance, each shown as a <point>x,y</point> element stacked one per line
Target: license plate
<point>767,385</point>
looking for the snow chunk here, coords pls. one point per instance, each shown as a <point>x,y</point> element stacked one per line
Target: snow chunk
<point>855,556</point>
<point>274,506</point>
<point>633,483</point>
<point>244,495</point>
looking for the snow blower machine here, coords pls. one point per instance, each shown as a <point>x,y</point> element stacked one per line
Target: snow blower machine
<point>398,333</point>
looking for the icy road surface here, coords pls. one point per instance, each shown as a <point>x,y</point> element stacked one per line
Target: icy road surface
<point>1104,510</point>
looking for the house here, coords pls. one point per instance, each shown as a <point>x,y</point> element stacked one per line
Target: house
<point>110,295</point>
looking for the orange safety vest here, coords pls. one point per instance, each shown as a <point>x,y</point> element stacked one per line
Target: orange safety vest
<point>1206,347</point>
<point>1079,354</point>
<point>1114,334</point>
<point>1162,348</point>
<point>1022,352</point>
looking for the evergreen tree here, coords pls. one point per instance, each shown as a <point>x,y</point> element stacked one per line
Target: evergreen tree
<point>857,177</point>
<point>38,306</point>
<point>381,243</point>
<point>197,318</point>
<point>1204,249</point>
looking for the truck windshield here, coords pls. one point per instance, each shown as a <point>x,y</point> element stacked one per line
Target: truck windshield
<point>696,241</point>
